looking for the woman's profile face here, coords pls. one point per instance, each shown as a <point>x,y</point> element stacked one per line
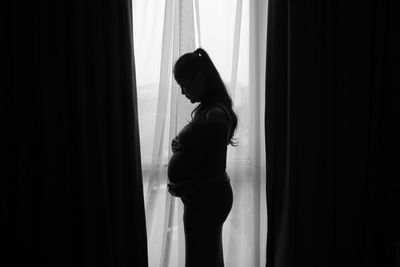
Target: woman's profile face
<point>193,89</point>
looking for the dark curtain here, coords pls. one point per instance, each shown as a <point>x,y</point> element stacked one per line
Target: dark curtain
<point>71,188</point>
<point>332,138</point>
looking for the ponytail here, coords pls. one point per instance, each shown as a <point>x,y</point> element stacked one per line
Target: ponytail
<point>200,52</point>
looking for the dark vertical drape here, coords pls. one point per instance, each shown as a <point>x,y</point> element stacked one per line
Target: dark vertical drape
<point>71,190</point>
<point>332,141</point>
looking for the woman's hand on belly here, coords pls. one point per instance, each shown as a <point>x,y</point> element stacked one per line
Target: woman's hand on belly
<point>176,146</point>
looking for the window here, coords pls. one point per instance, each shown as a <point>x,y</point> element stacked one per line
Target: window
<point>225,29</point>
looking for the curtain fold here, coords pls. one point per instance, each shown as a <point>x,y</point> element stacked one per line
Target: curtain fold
<point>330,122</point>
<point>74,192</point>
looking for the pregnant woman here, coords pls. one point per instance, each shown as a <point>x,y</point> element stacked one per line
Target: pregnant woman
<point>197,168</point>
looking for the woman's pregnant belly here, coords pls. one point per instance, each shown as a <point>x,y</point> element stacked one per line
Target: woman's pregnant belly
<point>183,165</point>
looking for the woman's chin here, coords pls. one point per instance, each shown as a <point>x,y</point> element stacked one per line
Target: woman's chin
<point>192,100</point>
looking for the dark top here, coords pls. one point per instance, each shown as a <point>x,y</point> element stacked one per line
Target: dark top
<point>202,152</point>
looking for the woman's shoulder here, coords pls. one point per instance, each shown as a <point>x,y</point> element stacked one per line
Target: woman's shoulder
<point>217,113</point>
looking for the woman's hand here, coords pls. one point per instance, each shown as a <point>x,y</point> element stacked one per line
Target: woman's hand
<point>176,146</point>
<point>172,189</point>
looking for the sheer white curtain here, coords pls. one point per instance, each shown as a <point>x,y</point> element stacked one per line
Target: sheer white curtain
<point>234,35</point>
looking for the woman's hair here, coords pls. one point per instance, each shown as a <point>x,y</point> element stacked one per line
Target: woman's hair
<point>188,66</point>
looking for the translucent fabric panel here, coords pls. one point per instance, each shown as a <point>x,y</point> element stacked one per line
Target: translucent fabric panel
<point>235,40</point>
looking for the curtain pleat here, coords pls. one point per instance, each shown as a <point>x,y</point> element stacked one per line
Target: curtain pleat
<point>329,134</point>
<point>76,181</point>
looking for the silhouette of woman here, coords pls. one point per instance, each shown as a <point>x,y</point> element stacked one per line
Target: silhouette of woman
<point>197,168</point>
